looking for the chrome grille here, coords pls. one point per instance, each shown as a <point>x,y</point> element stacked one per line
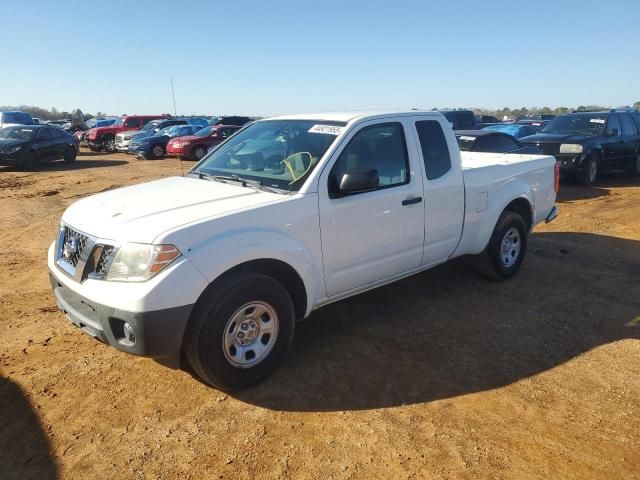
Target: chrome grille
<point>104,260</point>
<point>73,245</point>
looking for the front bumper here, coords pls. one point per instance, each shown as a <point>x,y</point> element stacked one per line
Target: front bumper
<point>13,159</point>
<point>569,162</point>
<point>157,334</point>
<point>122,145</point>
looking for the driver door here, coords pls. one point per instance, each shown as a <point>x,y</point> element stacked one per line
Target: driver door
<point>373,235</point>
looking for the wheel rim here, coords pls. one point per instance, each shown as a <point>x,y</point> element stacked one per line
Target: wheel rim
<point>510,247</point>
<point>593,170</point>
<point>157,151</point>
<point>250,334</point>
<point>199,153</point>
<point>110,145</point>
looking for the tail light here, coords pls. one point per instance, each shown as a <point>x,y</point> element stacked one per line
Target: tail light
<point>556,177</point>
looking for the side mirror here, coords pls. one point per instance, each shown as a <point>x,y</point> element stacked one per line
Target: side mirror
<point>359,180</point>
<point>612,132</point>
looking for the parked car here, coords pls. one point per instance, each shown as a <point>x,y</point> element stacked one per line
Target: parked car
<point>491,141</point>
<point>27,146</point>
<point>585,143</point>
<point>196,146</point>
<point>9,119</point>
<point>516,130</point>
<point>92,123</point>
<point>288,215</point>
<point>232,120</point>
<point>103,138</point>
<point>155,146</point>
<point>123,139</point>
<point>535,118</point>
<point>467,120</point>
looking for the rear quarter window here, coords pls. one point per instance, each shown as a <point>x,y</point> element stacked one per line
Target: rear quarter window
<point>435,151</point>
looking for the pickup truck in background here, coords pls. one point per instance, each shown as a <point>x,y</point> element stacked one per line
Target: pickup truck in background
<point>287,215</point>
<point>103,138</point>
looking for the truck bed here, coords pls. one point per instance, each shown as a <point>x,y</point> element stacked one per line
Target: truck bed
<point>492,180</point>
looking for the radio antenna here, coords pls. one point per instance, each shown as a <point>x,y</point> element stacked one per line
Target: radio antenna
<point>175,114</point>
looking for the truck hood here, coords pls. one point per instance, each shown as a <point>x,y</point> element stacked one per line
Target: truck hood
<point>140,213</point>
<point>543,138</point>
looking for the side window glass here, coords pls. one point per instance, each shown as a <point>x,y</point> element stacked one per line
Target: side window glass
<point>133,122</point>
<point>381,147</point>
<point>628,128</point>
<point>613,123</point>
<point>435,151</point>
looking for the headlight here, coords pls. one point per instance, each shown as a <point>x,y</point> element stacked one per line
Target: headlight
<point>570,148</point>
<point>137,262</point>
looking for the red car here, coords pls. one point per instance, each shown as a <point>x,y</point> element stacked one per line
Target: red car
<point>195,146</point>
<point>103,138</point>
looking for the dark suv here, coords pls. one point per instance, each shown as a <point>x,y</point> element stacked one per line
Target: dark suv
<point>584,143</point>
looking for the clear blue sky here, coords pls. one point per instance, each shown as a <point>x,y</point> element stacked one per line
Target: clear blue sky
<point>273,57</point>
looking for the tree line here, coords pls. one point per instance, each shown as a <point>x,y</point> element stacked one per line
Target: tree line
<point>55,114</point>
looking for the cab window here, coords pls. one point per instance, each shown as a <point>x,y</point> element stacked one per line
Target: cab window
<point>435,152</point>
<point>132,122</point>
<point>381,147</point>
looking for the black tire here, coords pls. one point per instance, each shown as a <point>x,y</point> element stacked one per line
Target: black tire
<point>70,155</point>
<point>109,144</point>
<point>203,341</point>
<point>634,170</point>
<point>588,172</point>
<point>29,161</point>
<point>492,262</point>
<point>156,151</point>
<point>198,152</point>
<point>94,148</point>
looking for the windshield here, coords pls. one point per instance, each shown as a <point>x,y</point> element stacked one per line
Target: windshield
<point>278,153</point>
<point>205,132</point>
<point>17,133</point>
<point>465,142</point>
<point>149,127</point>
<point>576,124</point>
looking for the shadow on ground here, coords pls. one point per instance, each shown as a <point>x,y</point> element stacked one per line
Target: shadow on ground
<point>61,166</point>
<point>571,191</point>
<point>448,332</point>
<point>25,452</point>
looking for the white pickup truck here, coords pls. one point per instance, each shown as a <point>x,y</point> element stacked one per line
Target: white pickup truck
<point>287,215</point>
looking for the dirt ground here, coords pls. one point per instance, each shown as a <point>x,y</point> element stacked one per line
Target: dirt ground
<point>442,375</point>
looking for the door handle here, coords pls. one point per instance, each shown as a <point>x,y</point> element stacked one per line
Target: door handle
<point>411,201</point>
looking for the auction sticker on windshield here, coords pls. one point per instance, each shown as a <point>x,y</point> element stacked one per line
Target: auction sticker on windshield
<point>326,129</point>
<point>597,120</point>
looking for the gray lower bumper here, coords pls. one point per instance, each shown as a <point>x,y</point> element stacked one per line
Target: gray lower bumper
<point>157,334</point>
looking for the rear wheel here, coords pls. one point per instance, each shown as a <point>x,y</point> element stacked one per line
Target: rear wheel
<point>199,152</point>
<point>589,171</point>
<point>240,331</point>
<point>507,247</point>
<point>70,155</point>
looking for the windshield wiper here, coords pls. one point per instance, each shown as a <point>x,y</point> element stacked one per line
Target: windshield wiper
<point>245,182</point>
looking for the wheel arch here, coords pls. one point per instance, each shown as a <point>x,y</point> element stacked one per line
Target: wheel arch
<point>279,270</point>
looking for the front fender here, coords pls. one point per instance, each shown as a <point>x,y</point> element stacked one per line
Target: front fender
<point>217,255</point>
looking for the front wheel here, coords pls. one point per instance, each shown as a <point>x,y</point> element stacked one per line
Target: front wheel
<point>199,152</point>
<point>507,247</point>
<point>109,144</point>
<point>240,331</point>
<point>589,171</point>
<point>635,168</point>
<point>157,151</point>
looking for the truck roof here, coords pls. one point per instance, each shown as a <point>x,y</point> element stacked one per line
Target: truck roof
<point>349,116</point>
